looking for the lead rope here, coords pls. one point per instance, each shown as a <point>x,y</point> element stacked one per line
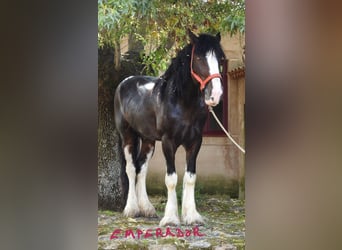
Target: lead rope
<point>224,130</point>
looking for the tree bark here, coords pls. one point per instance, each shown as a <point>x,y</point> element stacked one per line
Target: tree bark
<point>112,179</point>
<point>112,188</point>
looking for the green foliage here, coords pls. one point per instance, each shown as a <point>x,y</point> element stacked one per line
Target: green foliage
<point>114,20</point>
<point>161,25</point>
<point>235,21</point>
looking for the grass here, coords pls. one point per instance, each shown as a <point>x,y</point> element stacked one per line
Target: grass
<point>225,223</point>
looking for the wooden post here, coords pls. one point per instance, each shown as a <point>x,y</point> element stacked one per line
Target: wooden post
<point>241,117</point>
<point>236,119</point>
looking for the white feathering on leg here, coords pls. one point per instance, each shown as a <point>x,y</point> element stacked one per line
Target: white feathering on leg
<point>171,209</point>
<point>131,208</point>
<point>189,212</point>
<point>146,208</point>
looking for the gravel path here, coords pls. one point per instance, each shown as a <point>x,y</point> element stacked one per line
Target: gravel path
<point>224,228</point>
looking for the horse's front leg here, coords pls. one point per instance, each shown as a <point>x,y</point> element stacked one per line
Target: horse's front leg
<point>171,209</point>
<point>189,211</point>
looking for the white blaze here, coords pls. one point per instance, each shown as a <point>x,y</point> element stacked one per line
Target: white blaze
<point>217,91</point>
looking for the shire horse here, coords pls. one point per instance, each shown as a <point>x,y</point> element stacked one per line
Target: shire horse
<point>172,109</point>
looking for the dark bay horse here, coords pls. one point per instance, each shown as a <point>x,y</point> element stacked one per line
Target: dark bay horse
<point>172,109</point>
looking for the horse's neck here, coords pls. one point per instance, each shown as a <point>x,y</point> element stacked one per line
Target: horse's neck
<point>191,90</point>
<point>190,96</point>
<point>179,84</point>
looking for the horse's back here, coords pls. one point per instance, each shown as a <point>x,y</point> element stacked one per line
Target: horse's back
<point>135,105</point>
<point>135,83</point>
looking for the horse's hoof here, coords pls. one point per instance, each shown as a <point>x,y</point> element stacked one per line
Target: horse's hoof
<point>169,221</point>
<point>155,219</point>
<point>131,212</point>
<point>151,215</point>
<point>148,212</point>
<point>198,222</point>
<point>193,219</point>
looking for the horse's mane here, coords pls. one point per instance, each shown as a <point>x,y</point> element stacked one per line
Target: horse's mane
<point>178,73</point>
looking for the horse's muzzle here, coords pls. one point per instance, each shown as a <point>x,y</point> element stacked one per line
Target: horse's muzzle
<point>215,94</point>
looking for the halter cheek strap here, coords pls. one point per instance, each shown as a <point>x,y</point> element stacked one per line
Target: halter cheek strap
<point>204,82</point>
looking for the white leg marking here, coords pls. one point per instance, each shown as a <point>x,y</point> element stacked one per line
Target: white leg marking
<point>217,91</point>
<point>146,208</point>
<point>189,212</point>
<point>131,208</point>
<point>171,209</point>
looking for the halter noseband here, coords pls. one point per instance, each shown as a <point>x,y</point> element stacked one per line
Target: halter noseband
<point>197,77</point>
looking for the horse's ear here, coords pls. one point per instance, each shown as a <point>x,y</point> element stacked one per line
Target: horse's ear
<point>218,37</point>
<point>192,36</point>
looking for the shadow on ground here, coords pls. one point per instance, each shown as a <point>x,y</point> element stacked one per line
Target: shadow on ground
<point>224,228</point>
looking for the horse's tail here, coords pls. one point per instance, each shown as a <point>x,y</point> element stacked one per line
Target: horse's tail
<point>123,175</point>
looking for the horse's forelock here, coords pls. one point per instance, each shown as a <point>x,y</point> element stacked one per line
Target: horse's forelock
<point>207,43</point>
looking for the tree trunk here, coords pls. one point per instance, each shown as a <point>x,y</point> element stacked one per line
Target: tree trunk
<point>112,178</point>
<point>112,185</point>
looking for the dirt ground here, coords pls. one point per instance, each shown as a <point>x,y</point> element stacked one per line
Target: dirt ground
<point>224,227</point>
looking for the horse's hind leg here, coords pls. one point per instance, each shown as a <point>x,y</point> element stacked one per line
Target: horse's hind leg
<point>145,154</point>
<point>130,144</point>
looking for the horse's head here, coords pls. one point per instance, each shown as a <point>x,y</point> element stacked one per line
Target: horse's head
<point>205,56</point>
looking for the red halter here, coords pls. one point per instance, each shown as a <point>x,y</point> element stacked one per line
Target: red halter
<point>197,77</point>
